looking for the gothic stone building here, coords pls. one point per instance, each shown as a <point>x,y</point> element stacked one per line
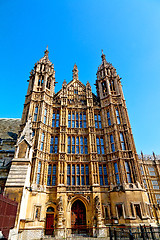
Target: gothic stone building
<point>75,164</point>
<point>150,170</point>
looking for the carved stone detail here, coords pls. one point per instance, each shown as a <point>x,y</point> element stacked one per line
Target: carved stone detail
<point>62,156</point>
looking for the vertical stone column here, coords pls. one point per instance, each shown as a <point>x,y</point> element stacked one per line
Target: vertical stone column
<point>92,134</point>
<point>60,231</point>
<point>63,136</point>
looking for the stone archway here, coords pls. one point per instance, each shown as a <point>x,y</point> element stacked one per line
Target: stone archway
<point>78,215</point>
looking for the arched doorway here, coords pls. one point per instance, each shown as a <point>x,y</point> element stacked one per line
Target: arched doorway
<point>78,216</point>
<point>49,221</point>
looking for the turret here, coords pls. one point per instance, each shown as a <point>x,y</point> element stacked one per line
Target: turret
<point>118,134</point>
<point>41,81</point>
<point>108,81</point>
<point>75,72</point>
<point>42,77</point>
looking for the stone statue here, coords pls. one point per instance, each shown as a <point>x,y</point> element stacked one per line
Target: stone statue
<point>60,204</point>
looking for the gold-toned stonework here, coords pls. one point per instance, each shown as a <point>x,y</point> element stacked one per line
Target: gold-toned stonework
<point>76,150</point>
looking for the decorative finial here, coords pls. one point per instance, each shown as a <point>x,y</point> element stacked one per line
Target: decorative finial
<point>75,66</point>
<point>64,83</point>
<point>75,71</point>
<point>46,51</point>
<point>88,86</point>
<point>103,56</point>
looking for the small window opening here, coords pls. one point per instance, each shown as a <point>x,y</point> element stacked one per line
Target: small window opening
<point>120,210</point>
<point>138,210</point>
<point>106,213</point>
<point>132,211</point>
<point>104,87</point>
<point>48,85</point>
<point>33,133</point>
<point>37,213</point>
<point>42,81</point>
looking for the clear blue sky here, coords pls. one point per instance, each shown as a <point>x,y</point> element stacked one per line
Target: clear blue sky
<point>76,30</point>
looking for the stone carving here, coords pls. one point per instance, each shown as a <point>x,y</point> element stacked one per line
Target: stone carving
<point>75,72</point>
<point>26,133</point>
<point>97,202</point>
<point>62,156</point>
<point>77,157</point>
<point>88,86</point>
<point>94,157</point>
<point>63,129</point>
<point>98,211</point>
<point>76,130</point>
<point>88,198</point>
<point>97,205</point>
<point>60,204</point>
<point>91,129</point>
<point>70,197</point>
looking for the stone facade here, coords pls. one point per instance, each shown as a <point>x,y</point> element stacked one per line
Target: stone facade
<point>75,165</point>
<point>150,170</point>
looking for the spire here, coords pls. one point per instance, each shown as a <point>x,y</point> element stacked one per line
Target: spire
<point>64,83</point>
<point>45,58</point>
<point>46,52</point>
<point>88,86</point>
<point>75,72</point>
<point>103,56</point>
<point>89,94</point>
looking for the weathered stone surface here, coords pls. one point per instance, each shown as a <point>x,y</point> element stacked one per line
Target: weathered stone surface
<point>84,169</point>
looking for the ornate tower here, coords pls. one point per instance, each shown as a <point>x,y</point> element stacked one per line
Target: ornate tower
<point>118,133</point>
<point>75,166</point>
<point>29,166</point>
<point>128,199</point>
<point>40,90</point>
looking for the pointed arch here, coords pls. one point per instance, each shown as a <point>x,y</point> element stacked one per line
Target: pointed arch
<point>78,214</point>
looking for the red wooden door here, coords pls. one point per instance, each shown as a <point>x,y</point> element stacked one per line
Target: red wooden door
<point>49,224</point>
<point>78,215</point>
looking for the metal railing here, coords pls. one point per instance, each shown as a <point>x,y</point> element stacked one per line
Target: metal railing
<point>137,233</point>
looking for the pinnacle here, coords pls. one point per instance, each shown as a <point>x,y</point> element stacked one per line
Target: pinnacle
<point>75,71</point>
<point>103,56</point>
<point>75,67</point>
<point>64,82</point>
<point>46,52</point>
<point>45,58</point>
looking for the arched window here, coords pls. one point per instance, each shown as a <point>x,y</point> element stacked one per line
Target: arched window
<point>40,81</point>
<point>35,114</point>
<point>48,85</point>
<point>104,87</point>
<point>118,117</point>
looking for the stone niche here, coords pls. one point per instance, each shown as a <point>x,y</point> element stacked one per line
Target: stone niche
<point>22,149</point>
